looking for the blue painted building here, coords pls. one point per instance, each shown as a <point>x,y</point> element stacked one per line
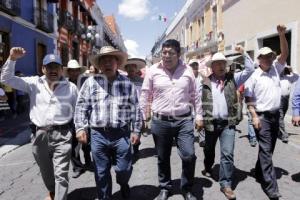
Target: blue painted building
<point>29,24</point>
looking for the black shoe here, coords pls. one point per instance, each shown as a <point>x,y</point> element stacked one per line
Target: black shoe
<point>89,166</point>
<point>76,174</point>
<point>125,191</point>
<point>285,139</point>
<point>207,173</point>
<point>253,142</point>
<point>202,143</point>
<point>274,196</point>
<point>163,195</point>
<point>189,196</point>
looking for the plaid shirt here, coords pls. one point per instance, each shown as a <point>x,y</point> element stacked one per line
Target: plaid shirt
<point>104,104</point>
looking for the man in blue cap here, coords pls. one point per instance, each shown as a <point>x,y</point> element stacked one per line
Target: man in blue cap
<point>52,102</point>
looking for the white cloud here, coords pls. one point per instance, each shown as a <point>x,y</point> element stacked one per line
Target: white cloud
<point>132,48</point>
<point>134,9</point>
<point>154,17</point>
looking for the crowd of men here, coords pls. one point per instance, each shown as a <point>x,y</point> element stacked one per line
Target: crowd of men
<point>105,112</point>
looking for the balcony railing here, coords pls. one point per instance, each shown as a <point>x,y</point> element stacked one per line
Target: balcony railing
<point>11,7</point>
<point>43,20</point>
<point>79,28</point>
<point>66,20</point>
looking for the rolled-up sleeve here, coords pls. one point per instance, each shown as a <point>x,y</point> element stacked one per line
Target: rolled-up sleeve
<point>8,77</point>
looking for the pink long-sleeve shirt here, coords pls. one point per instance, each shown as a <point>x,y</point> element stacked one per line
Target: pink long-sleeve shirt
<point>170,94</point>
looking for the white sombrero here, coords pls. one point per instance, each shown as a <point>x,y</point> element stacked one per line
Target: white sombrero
<point>218,57</point>
<point>73,64</point>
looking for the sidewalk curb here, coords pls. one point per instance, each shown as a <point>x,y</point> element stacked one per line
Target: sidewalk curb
<point>14,143</point>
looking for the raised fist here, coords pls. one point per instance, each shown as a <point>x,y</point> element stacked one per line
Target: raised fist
<point>16,53</point>
<point>281,29</point>
<point>239,49</point>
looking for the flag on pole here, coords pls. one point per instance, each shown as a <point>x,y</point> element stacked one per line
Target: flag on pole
<point>162,18</point>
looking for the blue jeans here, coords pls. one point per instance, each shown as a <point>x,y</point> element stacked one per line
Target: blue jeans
<point>111,148</point>
<point>164,132</point>
<point>251,131</point>
<point>227,137</point>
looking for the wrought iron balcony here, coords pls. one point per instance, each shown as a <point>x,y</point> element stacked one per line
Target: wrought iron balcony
<point>11,7</point>
<point>66,20</point>
<point>79,28</point>
<point>43,20</point>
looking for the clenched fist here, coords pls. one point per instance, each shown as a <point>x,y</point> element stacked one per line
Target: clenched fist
<point>82,136</point>
<point>134,138</point>
<point>16,53</point>
<point>239,49</point>
<point>281,29</point>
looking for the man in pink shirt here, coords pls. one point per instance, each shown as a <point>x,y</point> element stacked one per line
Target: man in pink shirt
<point>170,86</point>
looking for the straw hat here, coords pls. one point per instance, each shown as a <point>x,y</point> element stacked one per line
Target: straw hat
<point>109,51</point>
<point>140,63</point>
<point>73,64</point>
<point>218,57</point>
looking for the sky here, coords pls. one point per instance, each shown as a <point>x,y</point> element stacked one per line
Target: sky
<point>139,22</point>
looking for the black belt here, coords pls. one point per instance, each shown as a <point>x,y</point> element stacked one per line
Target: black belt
<point>171,118</point>
<point>269,113</point>
<point>111,129</point>
<point>54,127</point>
<point>220,121</point>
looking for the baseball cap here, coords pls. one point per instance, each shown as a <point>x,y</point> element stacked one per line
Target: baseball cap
<point>264,51</point>
<point>52,58</point>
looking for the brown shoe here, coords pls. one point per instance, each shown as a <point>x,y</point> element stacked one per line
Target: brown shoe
<point>229,194</point>
<point>50,196</point>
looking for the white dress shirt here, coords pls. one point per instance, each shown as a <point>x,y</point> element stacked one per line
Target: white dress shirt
<point>286,82</point>
<point>264,87</point>
<point>47,107</point>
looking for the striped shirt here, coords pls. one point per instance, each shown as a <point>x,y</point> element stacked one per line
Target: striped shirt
<point>104,104</point>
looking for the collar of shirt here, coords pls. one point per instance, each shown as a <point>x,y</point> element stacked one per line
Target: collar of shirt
<point>63,81</point>
<point>180,64</point>
<point>266,73</point>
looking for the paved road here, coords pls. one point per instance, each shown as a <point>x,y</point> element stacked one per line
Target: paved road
<point>20,177</point>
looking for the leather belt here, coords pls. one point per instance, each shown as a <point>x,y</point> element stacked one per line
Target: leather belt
<point>171,118</point>
<point>54,127</point>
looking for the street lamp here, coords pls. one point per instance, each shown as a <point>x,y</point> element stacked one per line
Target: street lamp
<point>92,36</point>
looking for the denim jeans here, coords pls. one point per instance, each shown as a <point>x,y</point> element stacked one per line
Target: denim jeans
<point>251,131</point>
<point>111,148</point>
<point>164,132</point>
<point>226,135</point>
